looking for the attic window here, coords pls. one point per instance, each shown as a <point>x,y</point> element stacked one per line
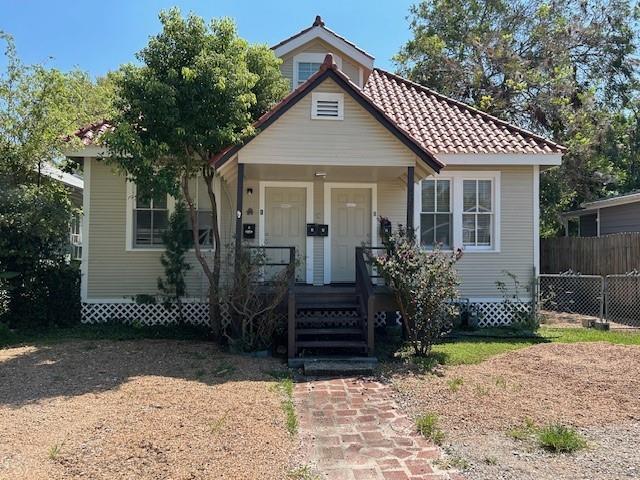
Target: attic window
<point>327,106</point>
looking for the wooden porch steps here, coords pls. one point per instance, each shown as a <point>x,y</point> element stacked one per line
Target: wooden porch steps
<point>332,344</point>
<point>329,331</point>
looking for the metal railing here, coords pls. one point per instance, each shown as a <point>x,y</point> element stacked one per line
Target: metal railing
<point>611,298</point>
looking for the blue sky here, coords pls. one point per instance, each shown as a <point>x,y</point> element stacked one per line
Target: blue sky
<point>99,36</point>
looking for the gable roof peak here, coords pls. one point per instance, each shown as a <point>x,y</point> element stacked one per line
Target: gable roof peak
<point>318,22</point>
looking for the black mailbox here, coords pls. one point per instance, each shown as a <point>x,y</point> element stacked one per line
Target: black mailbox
<point>312,229</point>
<point>323,230</point>
<point>249,230</point>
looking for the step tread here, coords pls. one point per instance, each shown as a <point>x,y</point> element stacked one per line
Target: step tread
<point>328,331</point>
<point>337,368</point>
<point>335,320</point>
<point>320,305</point>
<point>331,343</point>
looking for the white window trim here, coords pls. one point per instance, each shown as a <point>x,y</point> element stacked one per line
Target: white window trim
<point>330,97</point>
<point>86,211</point>
<point>171,205</point>
<point>418,217</point>
<point>456,179</point>
<point>308,57</point>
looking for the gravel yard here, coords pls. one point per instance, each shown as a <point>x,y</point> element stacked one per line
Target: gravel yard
<point>139,409</point>
<point>591,386</point>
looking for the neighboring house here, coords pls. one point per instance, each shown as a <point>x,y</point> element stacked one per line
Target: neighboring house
<point>620,214</point>
<point>350,144</point>
<point>75,186</point>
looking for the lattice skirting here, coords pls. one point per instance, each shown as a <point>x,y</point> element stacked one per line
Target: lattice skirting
<point>498,314</point>
<point>195,313</point>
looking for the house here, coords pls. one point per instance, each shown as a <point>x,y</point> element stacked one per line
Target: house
<point>74,185</point>
<point>349,144</point>
<point>619,214</point>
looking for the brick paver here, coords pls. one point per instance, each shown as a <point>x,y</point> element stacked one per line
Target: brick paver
<point>354,431</point>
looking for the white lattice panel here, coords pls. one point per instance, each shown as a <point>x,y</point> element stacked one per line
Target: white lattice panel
<point>149,314</point>
<point>498,314</point>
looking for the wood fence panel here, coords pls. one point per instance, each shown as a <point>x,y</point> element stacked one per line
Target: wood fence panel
<point>607,255</point>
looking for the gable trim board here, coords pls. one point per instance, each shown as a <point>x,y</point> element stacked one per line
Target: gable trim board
<point>308,186</point>
<point>318,30</point>
<point>328,70</point>
<point>86,212</point>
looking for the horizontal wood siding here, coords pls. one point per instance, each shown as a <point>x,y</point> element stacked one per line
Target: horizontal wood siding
<point>359,139</point>
<point>607,255</point>
<point>620,219</point>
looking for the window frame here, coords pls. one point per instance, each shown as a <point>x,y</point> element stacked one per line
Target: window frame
<point>456,198</point>
<point>436,212</point>
<point>171,203</point>
<point>310,57</point>
<point>477,213</point>
<point>151,208</point>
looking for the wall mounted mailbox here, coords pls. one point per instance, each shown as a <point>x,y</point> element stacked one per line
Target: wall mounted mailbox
<point>312,229</point>
<point>323,230</point>
<point>249,230</point>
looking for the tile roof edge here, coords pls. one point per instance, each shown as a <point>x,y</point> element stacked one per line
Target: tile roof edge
<point>461,104</point>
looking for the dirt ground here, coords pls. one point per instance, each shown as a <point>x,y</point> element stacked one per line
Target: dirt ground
<point>591,386</point>
<point>143,410</point>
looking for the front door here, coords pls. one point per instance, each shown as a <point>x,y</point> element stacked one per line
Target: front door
<point>285,213</point>
<point>350,228</point>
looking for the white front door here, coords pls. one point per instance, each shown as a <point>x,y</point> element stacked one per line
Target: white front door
<point>285,226</point>
<point>350,228</point>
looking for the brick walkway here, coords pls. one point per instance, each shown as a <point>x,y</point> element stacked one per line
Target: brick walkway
<point>354,432</point>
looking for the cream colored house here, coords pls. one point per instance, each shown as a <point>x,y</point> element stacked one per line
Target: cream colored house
<point>350,144</point>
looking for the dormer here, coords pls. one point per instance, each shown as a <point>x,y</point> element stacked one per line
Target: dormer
<point>303,53</point>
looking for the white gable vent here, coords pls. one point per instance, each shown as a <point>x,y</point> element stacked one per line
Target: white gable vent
<point>327,106</point>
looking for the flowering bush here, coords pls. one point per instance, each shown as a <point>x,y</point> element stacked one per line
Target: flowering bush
<point>425,285</point>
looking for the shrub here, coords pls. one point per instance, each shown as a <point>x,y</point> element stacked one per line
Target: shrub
<point>427,426</point>
<point>425,287</point>
<point>559,438</point>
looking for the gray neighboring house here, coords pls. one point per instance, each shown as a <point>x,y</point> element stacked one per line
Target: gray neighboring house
<point>620,214</point>
<point>75,186</point>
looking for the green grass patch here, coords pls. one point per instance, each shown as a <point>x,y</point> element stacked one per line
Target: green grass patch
<point>523,432</point>
<point>55,450</point>
<point>576,335</point>
<point>427,426</point>
<point>455,384</point>
<point>303,473</point>
<point>560,439</point>
<point>285,386</point>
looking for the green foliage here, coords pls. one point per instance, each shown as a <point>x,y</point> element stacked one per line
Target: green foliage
<point>564,69</point>
<point>427,426</point>
<point>454,384</point>
<point>39,288</point>
<point>524,431</point>
<point>173,259</point>
<point>197,89</point>
<point>559,438</point>
<point>425,286</point>
<point>38,107</point>
<point>522,312</point>
<point>285,386</point>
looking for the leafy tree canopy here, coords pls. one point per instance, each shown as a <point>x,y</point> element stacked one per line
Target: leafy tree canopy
<point>38,107</point>
<point>565,69</point>
<point>198,90</point>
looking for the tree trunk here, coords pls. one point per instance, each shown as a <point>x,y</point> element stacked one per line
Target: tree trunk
<point>214,318</point>
<point>214,298</point>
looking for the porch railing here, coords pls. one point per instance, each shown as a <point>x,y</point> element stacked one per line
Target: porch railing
<point>291,295</point>
<point>374,298</point>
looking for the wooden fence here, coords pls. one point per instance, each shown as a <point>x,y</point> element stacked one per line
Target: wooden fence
<point>611,254</point>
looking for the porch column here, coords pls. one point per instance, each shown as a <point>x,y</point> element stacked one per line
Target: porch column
<point>239,197</point>
<point>410,201</point>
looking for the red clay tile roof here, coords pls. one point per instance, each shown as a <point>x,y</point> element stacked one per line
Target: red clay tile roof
<point>318,22</point>
<point>91,132</point>
<point>444,125</point>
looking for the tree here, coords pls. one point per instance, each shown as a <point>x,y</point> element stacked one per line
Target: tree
<point>563,68</point>
<point>173,259</point>
<point>198,90</point>
<point>38,107</point>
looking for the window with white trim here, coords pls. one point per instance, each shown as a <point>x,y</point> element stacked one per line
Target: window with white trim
<point>150,218</point>
<point>327,106</point>
<point>436,214</point>
<point>460,210</point>
<point>477,216</point>
<point>306,69</point>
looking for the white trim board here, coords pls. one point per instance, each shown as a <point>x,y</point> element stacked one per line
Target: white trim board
<point>536,220</point>
<point>262,185</point>
<point>86,212</point>
<point>480,159</point>
<point>327,219</point>
<point>330,38</point>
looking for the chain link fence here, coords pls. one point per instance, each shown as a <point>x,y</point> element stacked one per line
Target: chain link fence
<point>614,298</point>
